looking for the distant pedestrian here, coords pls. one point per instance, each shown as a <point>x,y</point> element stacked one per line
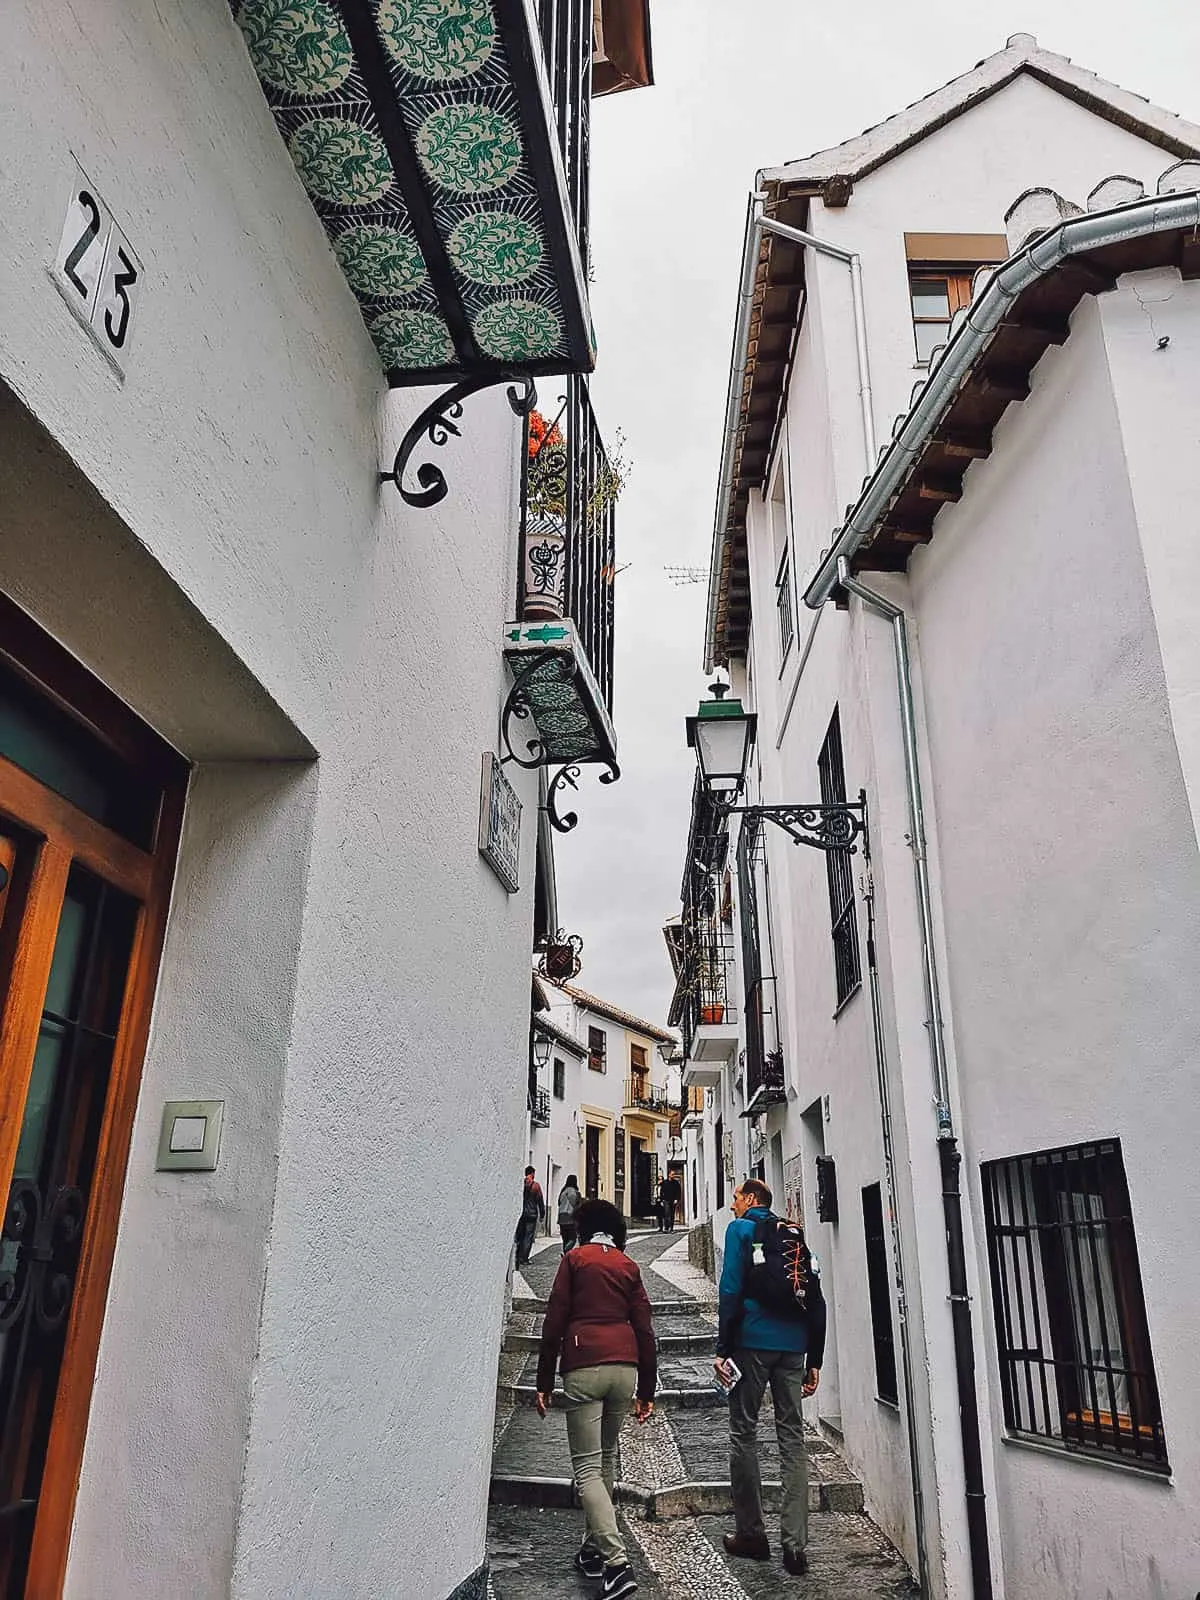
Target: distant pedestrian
<point>598,1330</point>
<point>569,1201</point>
<point>669,1196</point>
<point>772,1323</point>
<point>533,1209</point>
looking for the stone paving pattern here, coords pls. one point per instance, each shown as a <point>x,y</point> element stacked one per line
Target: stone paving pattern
<point>678,1557</point>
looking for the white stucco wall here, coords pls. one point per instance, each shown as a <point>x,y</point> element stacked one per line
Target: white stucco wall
<point>365,1022</point>
<point>961,179</point>
<point>1071,885</point>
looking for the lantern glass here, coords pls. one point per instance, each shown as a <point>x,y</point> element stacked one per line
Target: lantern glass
<point>722,735</point>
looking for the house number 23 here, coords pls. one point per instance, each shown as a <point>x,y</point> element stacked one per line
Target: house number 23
<point>96,270</point>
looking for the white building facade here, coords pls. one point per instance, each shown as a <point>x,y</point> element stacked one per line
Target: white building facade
<point>990,995</point>
<point>265,965</point>
<point>605,1096</point>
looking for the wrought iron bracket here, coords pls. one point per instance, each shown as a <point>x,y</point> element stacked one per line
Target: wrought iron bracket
<point>570,775</point>
<point>835,826</point>
<point>437,423</point>
<point>518,708</point>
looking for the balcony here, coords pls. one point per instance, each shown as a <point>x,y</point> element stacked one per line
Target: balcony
<point>561,651</point>
<point>445,151</point>
<point>766,1082</point>
<point>539,1107</point>
<point>650,1099</point>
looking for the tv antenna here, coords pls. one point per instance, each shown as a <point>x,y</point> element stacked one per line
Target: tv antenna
<point>682,575</point>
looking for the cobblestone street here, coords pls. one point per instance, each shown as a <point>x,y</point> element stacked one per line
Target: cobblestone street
<point>673,1475</point>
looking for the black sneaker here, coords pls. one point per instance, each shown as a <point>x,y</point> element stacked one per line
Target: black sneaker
<point>589,1561</point>
<point>794,1561</point>
<point>618,1581</point>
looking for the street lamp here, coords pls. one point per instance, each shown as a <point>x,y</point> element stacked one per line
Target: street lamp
<point>722,735</point>
<point>541,1046</point>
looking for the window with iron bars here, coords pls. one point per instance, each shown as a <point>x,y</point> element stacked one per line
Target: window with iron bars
<point>560,1079</point>
<point>840,870</point>
<point>879,1290</point>
<point>1074,1346</point>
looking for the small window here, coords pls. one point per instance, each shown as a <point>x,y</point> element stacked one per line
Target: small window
<point>597,1050</point>
<point>936,296</point>
<point>1075,1360</point>
<point>784,608</point>
<point>839,867</point>
<point>560,1079</point>
<point>881,1300</point>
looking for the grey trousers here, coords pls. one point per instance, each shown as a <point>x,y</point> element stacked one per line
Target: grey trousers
<point>598,1401</point>
<point>784,1371</point>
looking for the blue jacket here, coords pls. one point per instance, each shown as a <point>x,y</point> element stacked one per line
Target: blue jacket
<point>746,1325</point>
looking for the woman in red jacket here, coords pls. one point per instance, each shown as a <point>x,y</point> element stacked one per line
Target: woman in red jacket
<point>598,1330</point>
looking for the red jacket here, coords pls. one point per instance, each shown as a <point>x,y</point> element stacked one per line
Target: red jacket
<point>599,1314</point>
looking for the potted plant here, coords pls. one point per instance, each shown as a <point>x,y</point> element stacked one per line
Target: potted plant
<point>712,1013</point>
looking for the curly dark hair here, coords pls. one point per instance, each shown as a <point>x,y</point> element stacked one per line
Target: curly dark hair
<point>601,1216</point>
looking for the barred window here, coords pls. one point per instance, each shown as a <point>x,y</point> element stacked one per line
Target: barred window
<point>832,773</point>
<point>1075,1360</point>
<point>784,608</point>
<point>560,1079</point>
<point>880,1295</point>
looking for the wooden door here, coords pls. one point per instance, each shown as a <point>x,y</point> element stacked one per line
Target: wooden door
<point>87,848</point>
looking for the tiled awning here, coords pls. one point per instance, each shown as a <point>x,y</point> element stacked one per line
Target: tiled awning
<point>423,133</point>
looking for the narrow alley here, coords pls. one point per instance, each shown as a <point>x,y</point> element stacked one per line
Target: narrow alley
<point>673,1476</point>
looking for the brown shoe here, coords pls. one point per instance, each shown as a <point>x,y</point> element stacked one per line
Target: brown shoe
<point>795,1562</point>
<point>753,1548</point>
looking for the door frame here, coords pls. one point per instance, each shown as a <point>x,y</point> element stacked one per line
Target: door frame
<point>66,835</point>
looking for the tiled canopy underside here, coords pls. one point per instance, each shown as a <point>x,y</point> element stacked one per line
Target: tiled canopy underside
<point>451,79</point>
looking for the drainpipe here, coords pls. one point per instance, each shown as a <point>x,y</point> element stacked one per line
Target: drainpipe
<point>949,1156</point>
<point>756,225</point>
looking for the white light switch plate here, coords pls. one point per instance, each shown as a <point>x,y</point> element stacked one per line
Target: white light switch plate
<point>190,1137</point>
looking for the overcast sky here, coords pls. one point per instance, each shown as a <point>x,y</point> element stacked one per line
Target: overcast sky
<point>741,84</point>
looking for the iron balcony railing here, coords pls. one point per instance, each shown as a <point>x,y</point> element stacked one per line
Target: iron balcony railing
<point>765,1081</point>
<point>642,1095</point>
<point>566,27</point>
<point>588,516</point>
<point>539,1107</point>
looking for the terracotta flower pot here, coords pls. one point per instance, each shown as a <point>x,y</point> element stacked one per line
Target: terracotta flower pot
<point>710,1015</point>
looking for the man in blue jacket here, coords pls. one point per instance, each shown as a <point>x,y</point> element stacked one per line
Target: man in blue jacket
<point>784,1350</point>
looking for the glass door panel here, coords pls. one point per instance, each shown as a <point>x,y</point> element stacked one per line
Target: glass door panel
<point>43,1222</point>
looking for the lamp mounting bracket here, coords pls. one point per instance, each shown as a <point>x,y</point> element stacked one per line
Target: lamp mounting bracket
<point>437,423</point>
<point>832,826</point>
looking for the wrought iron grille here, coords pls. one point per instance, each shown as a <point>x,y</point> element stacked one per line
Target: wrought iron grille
<point>589,530</point>
<point>1075,1359</point>
<point>840,870</point>
<point>539,1107</point>
<point>879,1290</point>
<point>642,1095</point>
<point>705,990</point>
<point>597,1050</point>
<point>765,1082</point>
<point>566,30</point>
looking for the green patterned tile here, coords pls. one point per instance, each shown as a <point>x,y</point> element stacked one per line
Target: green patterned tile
<point>495,248</point>
<point>518,330</point>
<point>469,148</point>
<point>443,41</point>
<point>298,46</point>
<point>340,161</point>
<point>380,263</point>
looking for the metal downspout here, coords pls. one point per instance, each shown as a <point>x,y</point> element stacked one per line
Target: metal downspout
<point>949,1156</point>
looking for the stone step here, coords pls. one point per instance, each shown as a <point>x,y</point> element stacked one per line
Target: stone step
<point>532,1549</point>
<point>701,1399</point>
<point>661,1308</point>
<point>703,1342</point>
<point>676,1500</point>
